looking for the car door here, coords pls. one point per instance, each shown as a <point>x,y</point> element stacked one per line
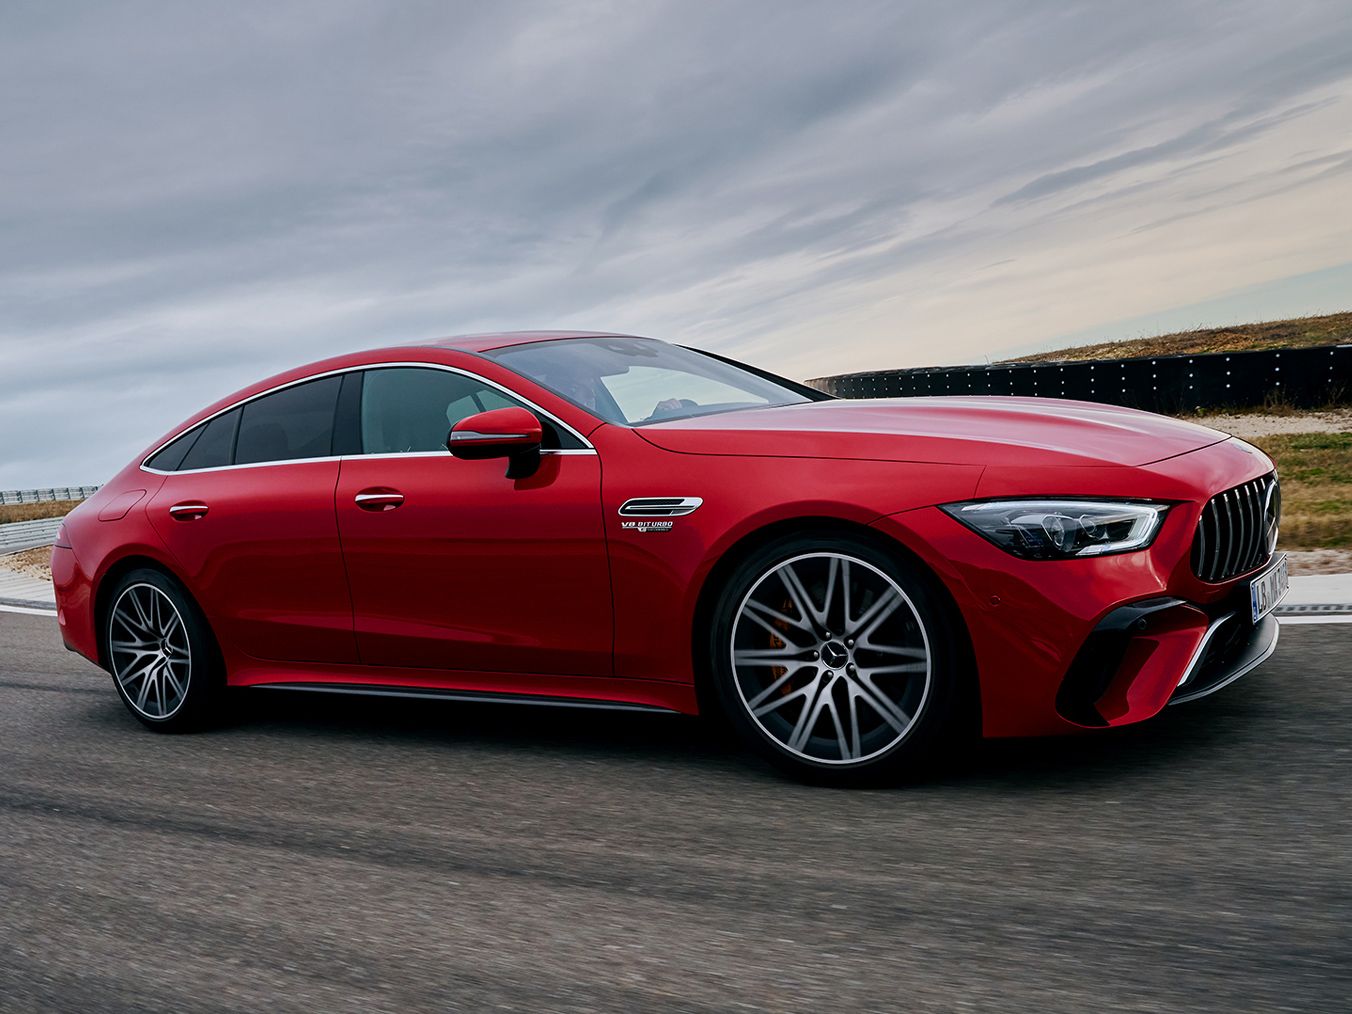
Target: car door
<point>247,513</point>
<point>451,564</point>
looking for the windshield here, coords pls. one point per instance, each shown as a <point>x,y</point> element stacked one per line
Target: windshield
<point>641,380</point>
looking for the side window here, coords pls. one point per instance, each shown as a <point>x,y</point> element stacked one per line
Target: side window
<point>293,423</point>
<point>480,399</point>
<point>215,444</point>
<point>170,457</point>
<point>408,409</point>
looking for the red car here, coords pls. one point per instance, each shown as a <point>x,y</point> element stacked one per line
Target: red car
<point>609,521</point>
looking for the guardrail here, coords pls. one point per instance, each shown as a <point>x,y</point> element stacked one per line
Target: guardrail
<point>22,535</point>
<point>1300,378</point>
<point>8,496</point>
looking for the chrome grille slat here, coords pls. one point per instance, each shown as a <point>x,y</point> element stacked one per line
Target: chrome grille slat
<point>1242,539</point>
<point>1256,544</point>
<point>1231,543</point>
<point>1217,564</point>
<point>1231,532</point>
<point>1242,509</point>
<point>1199,545</point>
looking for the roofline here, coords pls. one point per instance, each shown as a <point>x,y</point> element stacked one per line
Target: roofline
<point>491,340</point>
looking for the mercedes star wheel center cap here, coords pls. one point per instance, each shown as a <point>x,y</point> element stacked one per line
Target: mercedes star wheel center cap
<point>834,654</point>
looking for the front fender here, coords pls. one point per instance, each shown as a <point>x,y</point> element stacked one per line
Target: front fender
<point>659,572</point>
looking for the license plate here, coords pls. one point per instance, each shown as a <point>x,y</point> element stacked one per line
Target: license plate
<point>1267,589</point>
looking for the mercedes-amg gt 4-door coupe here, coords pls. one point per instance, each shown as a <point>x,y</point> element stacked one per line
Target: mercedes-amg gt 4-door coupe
<point>610,521</point>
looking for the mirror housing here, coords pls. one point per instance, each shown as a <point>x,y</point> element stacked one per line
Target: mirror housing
<point>513,433</point>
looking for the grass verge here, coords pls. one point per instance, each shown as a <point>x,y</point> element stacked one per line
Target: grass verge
<point>1316,473</point>
<point>1298,333</point>
<point>33,511</point>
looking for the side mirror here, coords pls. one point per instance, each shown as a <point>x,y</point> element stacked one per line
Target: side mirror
<point>511,433</point>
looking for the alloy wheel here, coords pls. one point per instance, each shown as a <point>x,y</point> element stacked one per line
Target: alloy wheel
<point>149,651</point>
<point>831,658</point>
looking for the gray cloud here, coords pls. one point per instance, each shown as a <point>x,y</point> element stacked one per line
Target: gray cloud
<point>195,195</point>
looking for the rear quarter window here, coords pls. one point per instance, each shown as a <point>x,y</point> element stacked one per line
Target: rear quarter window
<point>170,457</point>
<point>214,446</point>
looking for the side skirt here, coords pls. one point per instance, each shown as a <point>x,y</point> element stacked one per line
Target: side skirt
<point>433,693</point>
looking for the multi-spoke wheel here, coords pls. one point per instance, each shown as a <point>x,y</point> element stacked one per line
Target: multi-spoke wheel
<point>158,652</point>
<point>833,657</point>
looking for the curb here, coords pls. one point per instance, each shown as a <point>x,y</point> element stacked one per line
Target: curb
<point>45,607</point>
<point>1319,608</point>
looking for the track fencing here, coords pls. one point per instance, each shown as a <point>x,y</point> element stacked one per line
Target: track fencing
<point>28,534</point>
<point>1298,378</point>
<point>8,496</point>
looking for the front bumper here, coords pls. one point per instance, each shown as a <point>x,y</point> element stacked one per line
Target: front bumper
<point>1029,622</point>
<point>1145,655</point>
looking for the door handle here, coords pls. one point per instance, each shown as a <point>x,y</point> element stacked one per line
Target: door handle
<point>188,511</point>
<point>379,499</point>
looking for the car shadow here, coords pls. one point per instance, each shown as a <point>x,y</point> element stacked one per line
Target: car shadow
<point>1178,737</point>
<point>482,725</point>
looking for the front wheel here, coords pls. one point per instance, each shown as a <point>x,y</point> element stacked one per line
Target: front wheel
<point>835,659</point>
<point>160,653</point>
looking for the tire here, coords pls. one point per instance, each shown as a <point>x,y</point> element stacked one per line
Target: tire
<point>161,654</point>
<point>872,700</point>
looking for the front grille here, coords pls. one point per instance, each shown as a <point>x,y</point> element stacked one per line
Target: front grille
<point>1238,529</point>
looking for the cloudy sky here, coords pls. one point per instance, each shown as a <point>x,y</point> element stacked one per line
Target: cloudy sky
<point>193,196</point>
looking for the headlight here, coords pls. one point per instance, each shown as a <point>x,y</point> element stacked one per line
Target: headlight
<point>1061,529</point>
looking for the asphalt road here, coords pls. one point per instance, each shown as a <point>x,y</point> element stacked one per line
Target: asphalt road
<point>340,855</point>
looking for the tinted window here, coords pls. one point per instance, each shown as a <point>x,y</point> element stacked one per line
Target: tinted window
<point>347,427</point>
<point>639,380</point>
<point>408,409</point>
<point>296,422</point>
<point>214,446</point>
<point>171,455</point>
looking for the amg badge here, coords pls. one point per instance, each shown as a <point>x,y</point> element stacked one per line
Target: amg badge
<point>649,526</point>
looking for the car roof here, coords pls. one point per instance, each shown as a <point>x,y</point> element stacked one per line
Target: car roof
<point>504,339</point>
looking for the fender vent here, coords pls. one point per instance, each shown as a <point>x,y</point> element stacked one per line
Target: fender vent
<point>660,506</point>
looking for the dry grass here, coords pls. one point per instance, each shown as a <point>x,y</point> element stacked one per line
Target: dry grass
<point>33,511</point>
<point>1299,333</point>
<point>1316,471</point>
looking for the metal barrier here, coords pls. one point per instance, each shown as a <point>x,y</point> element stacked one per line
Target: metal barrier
<point>28,534</point>
<point>1299,378</point>
<point>8,496</point>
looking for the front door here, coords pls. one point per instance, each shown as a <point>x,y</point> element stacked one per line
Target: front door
<point>451,564</point>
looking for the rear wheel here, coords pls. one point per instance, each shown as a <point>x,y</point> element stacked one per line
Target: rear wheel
<point>160,652</point>
<point>835,660</point>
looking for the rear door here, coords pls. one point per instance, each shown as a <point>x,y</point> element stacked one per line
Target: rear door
<point>247,512</point>
<point>453,565</point>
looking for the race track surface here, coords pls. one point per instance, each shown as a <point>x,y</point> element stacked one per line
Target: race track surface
<point>339,854</point>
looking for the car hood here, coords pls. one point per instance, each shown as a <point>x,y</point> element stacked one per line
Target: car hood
<point>972,430</point>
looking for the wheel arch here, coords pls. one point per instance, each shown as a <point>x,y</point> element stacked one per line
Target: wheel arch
<point>824,525</point>
<point>108,581</point>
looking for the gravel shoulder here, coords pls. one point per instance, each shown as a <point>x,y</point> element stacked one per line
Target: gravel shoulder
<point>1248,425</point>
<point>35,563</point>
